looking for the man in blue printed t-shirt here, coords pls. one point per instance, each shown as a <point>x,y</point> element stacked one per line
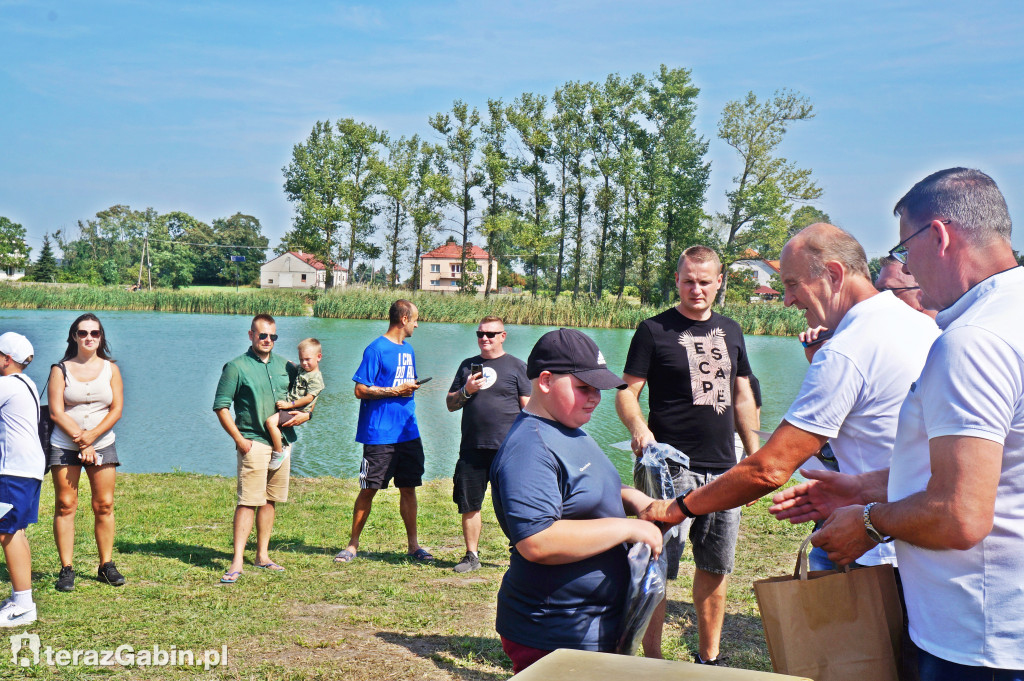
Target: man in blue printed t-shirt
<point>385,383</point>
<point>563,507</point>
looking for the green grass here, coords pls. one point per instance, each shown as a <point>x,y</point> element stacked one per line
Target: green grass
<point>379,617</point>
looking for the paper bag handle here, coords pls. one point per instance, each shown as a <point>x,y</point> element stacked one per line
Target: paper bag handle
<point>802,560</point>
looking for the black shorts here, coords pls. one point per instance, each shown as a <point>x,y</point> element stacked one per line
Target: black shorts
<point>402,461</point>
<point>472,472</point>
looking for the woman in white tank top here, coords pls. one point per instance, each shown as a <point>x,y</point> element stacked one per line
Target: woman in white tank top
<point>86,397</point>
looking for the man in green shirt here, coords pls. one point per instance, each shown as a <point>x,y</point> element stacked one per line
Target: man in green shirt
<point>253,383</point>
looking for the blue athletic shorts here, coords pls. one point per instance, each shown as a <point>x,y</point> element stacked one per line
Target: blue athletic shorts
<point>23,494</point>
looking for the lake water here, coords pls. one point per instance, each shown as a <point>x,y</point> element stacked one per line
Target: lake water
<point>171,363</point>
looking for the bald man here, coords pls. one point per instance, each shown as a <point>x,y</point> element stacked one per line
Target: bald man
<point>892,278</point>
<point>852,392</point>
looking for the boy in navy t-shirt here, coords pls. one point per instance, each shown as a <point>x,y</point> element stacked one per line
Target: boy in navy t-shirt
<point>385,383</point>
<point>562,505</point>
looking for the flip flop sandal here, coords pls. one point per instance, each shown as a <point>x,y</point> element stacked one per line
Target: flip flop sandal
<point>272,566</point>
<point>344,556</point>
<point>421,554</point>
<point>231,577</point>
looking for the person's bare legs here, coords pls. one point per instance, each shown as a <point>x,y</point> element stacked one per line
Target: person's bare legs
<point>19,560</point>
<point>360,513</point>
<point>264,528</point>
<point>101,482</point>
<point>244,516</point>
<point>471,526</point>
<point>65,492</point>
<point>709,591</point>
<point>407,506</point>
<point>276,441</point>
<point>652,637</point>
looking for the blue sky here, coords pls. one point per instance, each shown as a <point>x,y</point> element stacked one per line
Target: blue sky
<point>196,106</point>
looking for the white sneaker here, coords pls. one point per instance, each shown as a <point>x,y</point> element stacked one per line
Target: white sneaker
<point>278,458</point>
<point>13,616</point>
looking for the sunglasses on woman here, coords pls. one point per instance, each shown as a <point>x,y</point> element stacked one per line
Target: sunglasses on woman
<point>94,333</point>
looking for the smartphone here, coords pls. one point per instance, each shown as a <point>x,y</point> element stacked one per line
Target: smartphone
<point>476,369</point>
<point>421,381</point>
<point>822,337</point>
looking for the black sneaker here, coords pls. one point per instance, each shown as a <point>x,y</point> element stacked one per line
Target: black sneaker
<point>713,662</point>
<point>66,579</point>
<point>468,563</point>
<point>110,575</point>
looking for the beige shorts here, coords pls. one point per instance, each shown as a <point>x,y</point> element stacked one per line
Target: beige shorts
<point>256,483</point>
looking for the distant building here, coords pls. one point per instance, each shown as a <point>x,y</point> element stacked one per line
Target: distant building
<point>298,270</point>
<point>12,273</point>
<point>441,268</point>
<point>762,271</point>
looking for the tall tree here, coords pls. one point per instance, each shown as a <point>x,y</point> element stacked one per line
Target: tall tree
<point>45,268</point>
<point>603,157</point>
<point>683,173</point>
<point>761,200</point>
<point>331,181</point>
<point>433,191</point>
<point>397,173</point>
<point>498,170</point>
<point>527,115</point>
<point>459,129</point>
<point>572,139</point>
<point>14,252</point>
<point>804,216</point>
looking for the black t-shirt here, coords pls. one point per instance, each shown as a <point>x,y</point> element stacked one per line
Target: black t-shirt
<point>490,411</point>
<point>691,368</point>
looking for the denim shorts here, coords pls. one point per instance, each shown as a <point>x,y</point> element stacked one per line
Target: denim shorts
<point>712,536</point>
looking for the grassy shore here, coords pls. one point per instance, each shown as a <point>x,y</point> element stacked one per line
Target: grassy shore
<point>379,617</point>
<point>357,303</point>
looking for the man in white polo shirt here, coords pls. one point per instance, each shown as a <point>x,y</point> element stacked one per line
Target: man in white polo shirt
<point>22,465</point>
<point>954,497</point>
<point>853,389</point>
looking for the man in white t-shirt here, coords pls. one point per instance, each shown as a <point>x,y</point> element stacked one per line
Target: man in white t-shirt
<point>853,389</point>
<point>22,466</point>
<point>954,497</point>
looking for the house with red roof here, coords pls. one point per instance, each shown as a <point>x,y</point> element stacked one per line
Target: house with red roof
<point>762,271</point>
<point>441,268</point>
<point>298,270</point>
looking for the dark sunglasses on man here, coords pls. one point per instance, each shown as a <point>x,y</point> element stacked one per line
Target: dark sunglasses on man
<point>265,336</point>
<point>488,334</point>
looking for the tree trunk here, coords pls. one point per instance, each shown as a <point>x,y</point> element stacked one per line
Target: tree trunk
<point>561,239</point>
<point>604,239</point>
<point>623,245</point>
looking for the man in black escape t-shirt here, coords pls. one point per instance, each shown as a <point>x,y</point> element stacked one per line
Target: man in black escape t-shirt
<point>696,365</point>
<point>490,400</point>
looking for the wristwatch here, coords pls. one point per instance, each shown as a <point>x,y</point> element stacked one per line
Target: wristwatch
<point>875,535</point>
<point>682,504</point>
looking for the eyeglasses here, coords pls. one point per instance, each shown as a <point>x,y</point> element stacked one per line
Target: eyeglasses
<point>488,334</point>
<point>899,251</point>
<point>94,333</point>
<point>265,336</point>
<point>897,289</point>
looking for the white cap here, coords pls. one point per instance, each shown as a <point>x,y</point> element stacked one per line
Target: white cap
<point>17,346</point>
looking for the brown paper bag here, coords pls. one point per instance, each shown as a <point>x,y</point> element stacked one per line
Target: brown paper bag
<point>832,625</point>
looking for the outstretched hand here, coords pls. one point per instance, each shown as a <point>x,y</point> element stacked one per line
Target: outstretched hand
<point>816,499</point>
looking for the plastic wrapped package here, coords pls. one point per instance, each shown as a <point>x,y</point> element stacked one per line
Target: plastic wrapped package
<point>646,591</point>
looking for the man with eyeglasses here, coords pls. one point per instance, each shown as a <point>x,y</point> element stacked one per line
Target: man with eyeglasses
<point>253,383</point>
<point>852,392</point>
<point>491,388</point>
<point>891,277</point>
<point>953,496</point>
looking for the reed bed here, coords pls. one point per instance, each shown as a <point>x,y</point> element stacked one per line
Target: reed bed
<point>42,296</point>
<point>772,319</point>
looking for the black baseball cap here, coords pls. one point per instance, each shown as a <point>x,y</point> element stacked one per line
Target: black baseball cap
<point>568,351</point>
